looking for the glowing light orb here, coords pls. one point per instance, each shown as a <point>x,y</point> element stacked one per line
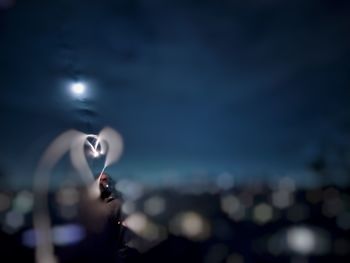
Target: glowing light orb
<point>78,88</point>
<point>262,213</point>
<point>301,240</point>
<point>191,225</point>
<point>154,205</point>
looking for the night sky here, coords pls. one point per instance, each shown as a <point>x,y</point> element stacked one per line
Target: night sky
<point>254,88</point>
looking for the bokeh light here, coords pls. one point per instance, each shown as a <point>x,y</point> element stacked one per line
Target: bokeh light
<point>23,202</point>
<point>304,240</point>
<point>262,213</point>
<point>233,207</point>
<point>301,240</point>
<point>191,225</point>
<point>69,234</point>
<point>154,205</point>
<point>282,199</point>
<point>13,220</point>
<point>128,207</point>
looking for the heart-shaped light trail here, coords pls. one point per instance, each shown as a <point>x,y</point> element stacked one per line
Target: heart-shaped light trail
<point>108,142</point>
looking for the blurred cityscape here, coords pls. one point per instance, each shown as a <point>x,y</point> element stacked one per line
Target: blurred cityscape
<point>217,222</point>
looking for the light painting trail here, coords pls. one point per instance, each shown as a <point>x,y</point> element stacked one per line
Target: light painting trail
<point>108,142</point>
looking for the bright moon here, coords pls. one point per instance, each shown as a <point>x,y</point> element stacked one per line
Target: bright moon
<point>78,88</point>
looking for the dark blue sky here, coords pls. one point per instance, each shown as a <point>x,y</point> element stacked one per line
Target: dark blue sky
<point>192,86</point>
